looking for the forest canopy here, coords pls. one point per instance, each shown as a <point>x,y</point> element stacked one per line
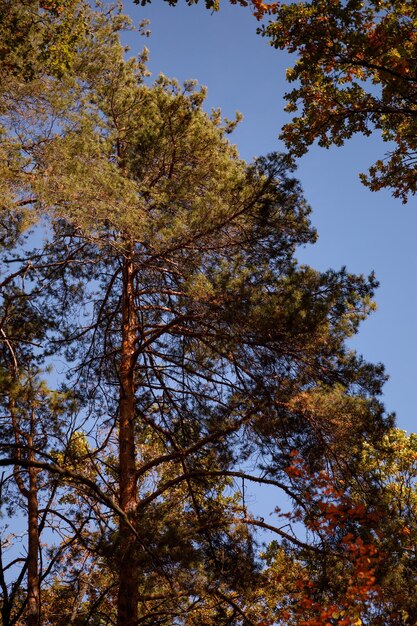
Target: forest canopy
<point>162,349</point>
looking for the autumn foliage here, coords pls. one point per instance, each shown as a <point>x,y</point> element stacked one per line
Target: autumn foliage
<point>259,8</point>
<point>354,73</point>
<point>332,579</point>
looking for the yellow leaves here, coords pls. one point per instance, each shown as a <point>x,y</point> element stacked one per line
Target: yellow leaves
<point>78,446</point>
<point>290,74</point>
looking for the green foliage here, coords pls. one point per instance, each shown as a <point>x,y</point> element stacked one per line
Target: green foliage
<point>387,476</point>
<point>49,53</point>
<point>40,37</point>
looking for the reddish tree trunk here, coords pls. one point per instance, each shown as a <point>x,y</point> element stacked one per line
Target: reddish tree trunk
<point>128,595</point>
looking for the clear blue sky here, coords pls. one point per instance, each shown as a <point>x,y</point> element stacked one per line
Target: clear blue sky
<point>364,231</point>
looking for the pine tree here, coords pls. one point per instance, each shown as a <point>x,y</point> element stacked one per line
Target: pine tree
<point>201,329</point>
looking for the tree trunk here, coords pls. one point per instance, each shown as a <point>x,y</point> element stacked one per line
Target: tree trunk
<point>34,605</point>
<point>5,614</point>
<point>128,595</point>
<point>6,604</point>
<point>33,611</point>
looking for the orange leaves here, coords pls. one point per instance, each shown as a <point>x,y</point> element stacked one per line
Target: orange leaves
<point>345,530</point>
<point>263,8</point>
<point>53,6</point>
<point>260,9</point>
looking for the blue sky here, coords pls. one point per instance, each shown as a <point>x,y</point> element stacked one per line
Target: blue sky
<point>363,230</point>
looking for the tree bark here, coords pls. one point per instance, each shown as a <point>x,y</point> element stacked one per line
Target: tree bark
<point>33,611</point>
<point>34,604</point>
<point>6,613</point>
<point>128,594</point>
